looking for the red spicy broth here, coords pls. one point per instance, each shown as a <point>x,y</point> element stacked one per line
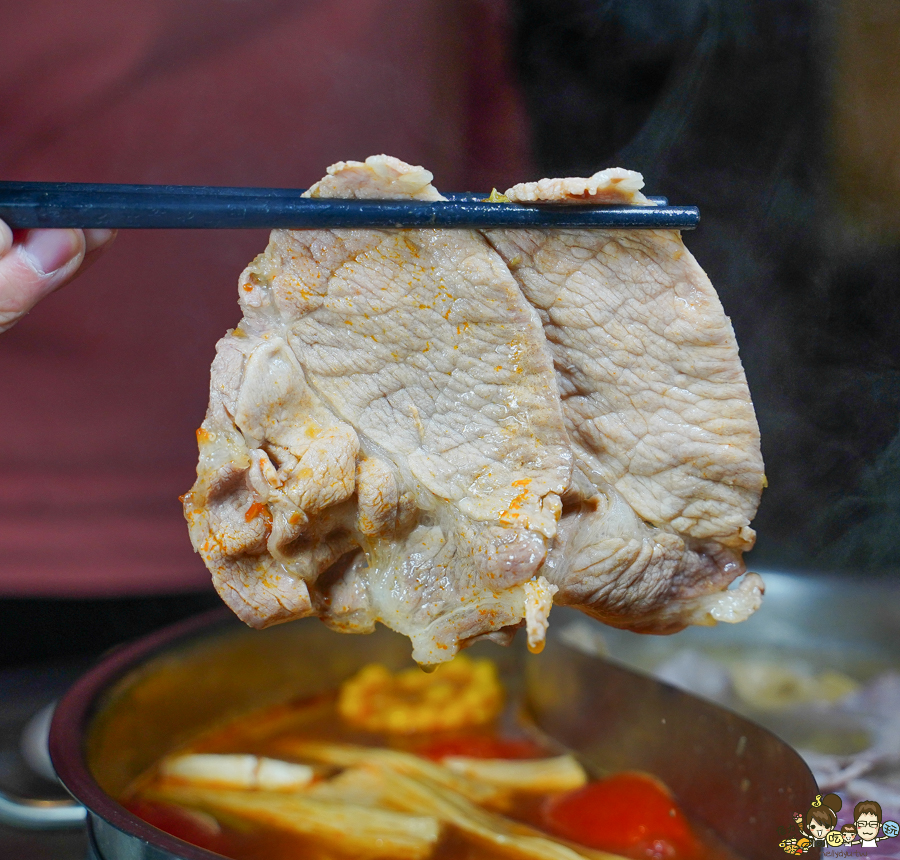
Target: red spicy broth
<point>629,815</point>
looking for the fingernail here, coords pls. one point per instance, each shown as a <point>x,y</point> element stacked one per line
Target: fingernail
<point>96,237</point>
<point>6,238</point>
<point>49,250</point>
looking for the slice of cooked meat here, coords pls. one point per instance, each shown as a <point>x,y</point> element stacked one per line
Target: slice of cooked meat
<point>392,428</point>
<point>668,470</point>
<point>384,440</point>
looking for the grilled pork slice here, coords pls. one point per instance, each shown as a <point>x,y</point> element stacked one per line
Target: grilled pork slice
<point>384,440</point>
<point>668,471</point>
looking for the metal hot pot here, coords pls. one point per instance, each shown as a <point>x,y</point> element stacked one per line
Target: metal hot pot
<point>143,699</point>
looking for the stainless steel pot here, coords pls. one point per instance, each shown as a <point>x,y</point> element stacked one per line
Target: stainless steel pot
<point>143,699</point>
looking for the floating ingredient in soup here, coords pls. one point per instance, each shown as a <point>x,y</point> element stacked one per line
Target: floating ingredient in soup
<point>237,771</point>
<point>345,827</point>
<point>461,693</point>
<point>632,813</point>
<point>489,789</point>
<point>351,755</point>
<point>538,776</point>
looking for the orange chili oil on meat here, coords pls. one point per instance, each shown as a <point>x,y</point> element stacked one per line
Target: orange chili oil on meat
<point>630,814</point>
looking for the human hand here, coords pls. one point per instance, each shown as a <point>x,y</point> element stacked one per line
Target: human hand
<point>39,262</point>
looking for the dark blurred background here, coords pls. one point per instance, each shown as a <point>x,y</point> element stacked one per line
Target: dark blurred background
<point>780,119</point>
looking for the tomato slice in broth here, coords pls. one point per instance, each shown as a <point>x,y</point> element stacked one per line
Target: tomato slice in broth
<point>630,813</point>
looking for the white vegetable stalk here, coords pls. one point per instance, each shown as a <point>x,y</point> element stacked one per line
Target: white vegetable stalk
<point>347,755</point>
<point>561,773</point>
<point>504,836</point>
<point>237,771</point>
<point>360,831</point>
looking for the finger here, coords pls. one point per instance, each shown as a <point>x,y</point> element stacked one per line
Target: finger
<point>97,239</point>
<point>96,242</point>
<point>6,238</point>
<point>42,263</point>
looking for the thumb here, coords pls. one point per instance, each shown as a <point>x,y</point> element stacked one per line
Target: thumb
<point>42,263</point>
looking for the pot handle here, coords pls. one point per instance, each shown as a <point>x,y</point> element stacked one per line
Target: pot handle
<point>40,814</point>
<point>31,814</point>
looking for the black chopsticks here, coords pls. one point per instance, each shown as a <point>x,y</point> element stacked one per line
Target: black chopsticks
<point>26,205</point>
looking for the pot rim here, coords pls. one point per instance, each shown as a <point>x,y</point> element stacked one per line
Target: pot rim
<point>76,709</point>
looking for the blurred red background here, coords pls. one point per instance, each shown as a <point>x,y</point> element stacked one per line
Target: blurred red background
<point>103,384</point>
